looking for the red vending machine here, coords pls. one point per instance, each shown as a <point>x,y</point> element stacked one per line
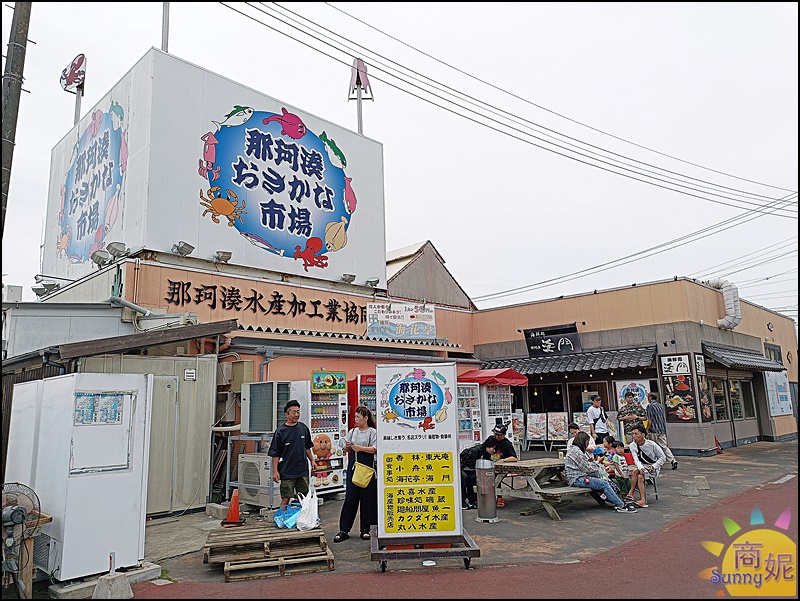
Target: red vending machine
<point>361,391</point>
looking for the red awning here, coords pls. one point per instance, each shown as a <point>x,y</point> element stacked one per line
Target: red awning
<point>506,376</point>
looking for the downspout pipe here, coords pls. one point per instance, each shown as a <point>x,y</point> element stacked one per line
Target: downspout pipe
<point>121,302</point>
<point>730,295</point>
<point>46,361</point>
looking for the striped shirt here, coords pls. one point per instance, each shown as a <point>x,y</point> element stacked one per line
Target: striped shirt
<point>658,420</point>
<point>577,465</point>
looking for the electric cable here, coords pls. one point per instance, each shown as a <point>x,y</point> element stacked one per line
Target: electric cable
<point>511,135</point>
<point>545,108</point>
<point>494,109</point>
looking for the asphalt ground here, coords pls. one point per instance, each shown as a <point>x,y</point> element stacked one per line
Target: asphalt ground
<point>655,552</point>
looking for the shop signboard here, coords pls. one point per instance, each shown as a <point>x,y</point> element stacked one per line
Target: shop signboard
<point>418,471</point>
<point>680,398</point>
<point>404,321</point>
<point>552,341</point>
<point>780,399</point>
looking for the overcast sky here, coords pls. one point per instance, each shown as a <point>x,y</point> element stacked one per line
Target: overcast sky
<point>706,91</point>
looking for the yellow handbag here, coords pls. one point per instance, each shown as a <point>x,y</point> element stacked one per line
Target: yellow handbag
<point>362,475</point>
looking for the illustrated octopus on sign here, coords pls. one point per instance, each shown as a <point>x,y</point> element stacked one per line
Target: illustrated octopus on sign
<point>309,254</point>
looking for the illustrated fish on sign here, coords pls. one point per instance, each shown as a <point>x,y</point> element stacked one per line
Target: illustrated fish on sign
<point>238,116</point>
<point>292,125</point>
<point>334,153</point>
<point>448,395</point>
<point>439,377</point>
<point>349,196</point>
<point>257,240</point>
<point>404,425</point>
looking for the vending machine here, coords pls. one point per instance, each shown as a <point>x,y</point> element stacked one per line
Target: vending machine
<point>470,429</point>
<point>328,425</point>
<point>496,401</point>
<point>361,391</point>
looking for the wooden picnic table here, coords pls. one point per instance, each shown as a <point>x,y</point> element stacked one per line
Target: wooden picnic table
<point>545,482</point>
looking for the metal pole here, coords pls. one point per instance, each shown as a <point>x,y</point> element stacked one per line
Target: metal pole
<point>12,89</point>
<point>78,96</point>
<point>165,28</point>
<point>358,105</point>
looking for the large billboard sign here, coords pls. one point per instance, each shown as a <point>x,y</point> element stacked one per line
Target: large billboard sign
<point>175,153</point>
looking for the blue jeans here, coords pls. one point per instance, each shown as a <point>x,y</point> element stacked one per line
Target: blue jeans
<point>603,486</point>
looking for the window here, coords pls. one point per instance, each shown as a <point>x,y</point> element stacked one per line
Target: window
<point>773,351</point>
<point>748,401</point>
<point>718,393</point>
<point>736,399</point>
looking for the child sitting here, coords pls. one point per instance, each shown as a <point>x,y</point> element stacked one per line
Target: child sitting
<point>621,470</point>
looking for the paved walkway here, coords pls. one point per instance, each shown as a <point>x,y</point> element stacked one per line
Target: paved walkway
<point>656,551</point>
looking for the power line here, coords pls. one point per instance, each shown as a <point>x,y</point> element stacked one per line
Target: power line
<point>511,135</point>
<point>492,108</point>
<point>708,269</point>
<point>547,109</point>
<point>704,232</point>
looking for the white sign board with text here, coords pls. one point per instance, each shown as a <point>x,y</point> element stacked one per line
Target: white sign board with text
<point>418,471</point>
<point>400,320</point>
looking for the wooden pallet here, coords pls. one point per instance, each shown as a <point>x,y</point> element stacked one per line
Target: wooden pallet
<point>280,566</point>
<point>261,541</point>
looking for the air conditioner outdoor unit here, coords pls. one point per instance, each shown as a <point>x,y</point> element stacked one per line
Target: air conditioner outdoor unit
<point>254,469</point>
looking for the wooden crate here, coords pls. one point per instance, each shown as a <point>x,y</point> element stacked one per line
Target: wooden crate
<point>281,566</point>
<point>261,541</point>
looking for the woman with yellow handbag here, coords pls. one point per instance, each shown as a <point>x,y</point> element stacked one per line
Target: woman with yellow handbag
<point>362,488</point>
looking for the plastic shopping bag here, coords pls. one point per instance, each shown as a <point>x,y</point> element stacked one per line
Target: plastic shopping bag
<point>308,517</point>
<point>288,517</point>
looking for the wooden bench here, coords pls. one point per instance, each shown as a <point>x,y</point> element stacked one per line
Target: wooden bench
<point>537,474</point>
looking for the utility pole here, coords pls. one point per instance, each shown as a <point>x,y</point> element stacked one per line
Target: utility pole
<point>12,90</point>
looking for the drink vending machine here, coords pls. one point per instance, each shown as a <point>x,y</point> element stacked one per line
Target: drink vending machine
<point>470,429</point>
<point>328,425</point>
<point>361,391</point>
<point>496,401</point>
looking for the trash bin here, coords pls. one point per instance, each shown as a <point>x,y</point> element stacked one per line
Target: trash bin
<point>487,496</point>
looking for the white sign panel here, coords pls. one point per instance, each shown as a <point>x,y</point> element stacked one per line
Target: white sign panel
<point>174,153</point>
<point>400,320</point>
<point>674,365</point>
<point>780,398</point>
<point>700,364</point>
<point>418,461</point>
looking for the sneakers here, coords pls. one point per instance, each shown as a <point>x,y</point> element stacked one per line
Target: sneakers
<point>468,505</point>
<point>674,465</point>
<point>625,509</point>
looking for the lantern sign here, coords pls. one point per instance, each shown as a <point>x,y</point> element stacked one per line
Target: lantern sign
<point>73,76</point>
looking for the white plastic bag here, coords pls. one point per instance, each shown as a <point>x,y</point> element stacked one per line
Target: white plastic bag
<point>308,517</point>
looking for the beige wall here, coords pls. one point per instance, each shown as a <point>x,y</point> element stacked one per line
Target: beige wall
<point>656,305</point>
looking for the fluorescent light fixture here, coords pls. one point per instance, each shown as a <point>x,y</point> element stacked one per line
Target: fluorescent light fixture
<point>39,290</point>
<point>372,282</point>
<point>348,278</point>
<point>51,286</point>
<point>117,249</point>
<point>101,257</point>
<point>222,256</point>
<point>182,248</point>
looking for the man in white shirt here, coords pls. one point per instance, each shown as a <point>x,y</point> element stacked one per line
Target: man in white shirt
<point>597,420</point>
<point>648,458</point>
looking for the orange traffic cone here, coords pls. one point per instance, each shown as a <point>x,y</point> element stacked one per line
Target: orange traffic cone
<point>716,443</point>
<point>232,518</point>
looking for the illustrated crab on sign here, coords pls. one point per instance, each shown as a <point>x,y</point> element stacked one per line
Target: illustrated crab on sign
<point>222,207</point>
<point>389,415</point>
